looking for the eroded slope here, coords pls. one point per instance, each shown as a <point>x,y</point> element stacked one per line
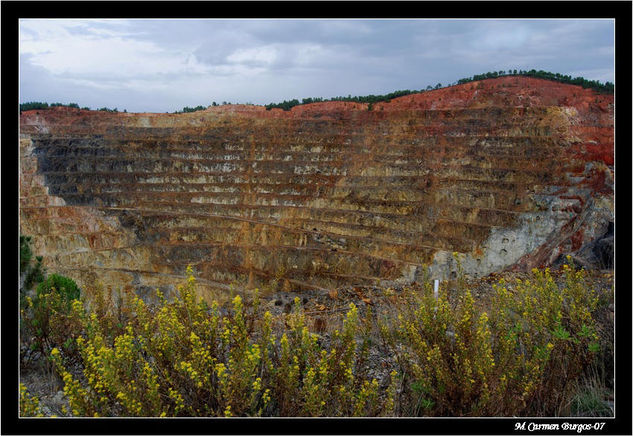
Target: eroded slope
<point>510,172</point>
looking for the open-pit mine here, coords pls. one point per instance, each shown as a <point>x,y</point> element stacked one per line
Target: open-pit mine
<point>509,173</point>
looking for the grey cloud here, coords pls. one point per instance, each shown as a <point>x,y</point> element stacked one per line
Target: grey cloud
<point>320,58</point>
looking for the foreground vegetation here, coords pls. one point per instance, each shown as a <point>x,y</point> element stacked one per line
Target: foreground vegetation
<point>522,354</point>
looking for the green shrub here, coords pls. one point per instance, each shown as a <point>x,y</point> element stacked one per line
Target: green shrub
<point>32,273</point>
<point>35,273</point>
<point>25,252</point>
<point>64,286</point>
<point>46,315</point>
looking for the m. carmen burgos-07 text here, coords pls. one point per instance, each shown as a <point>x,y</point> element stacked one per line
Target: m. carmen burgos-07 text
<point>565,426</point>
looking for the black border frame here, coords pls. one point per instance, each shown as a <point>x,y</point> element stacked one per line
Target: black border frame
<point>12,11</point>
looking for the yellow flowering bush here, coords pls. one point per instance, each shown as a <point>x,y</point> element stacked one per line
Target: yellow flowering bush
<point>29,404</point>
<point>438,356</point>
<point>184,358</point>
<point>518,357</point>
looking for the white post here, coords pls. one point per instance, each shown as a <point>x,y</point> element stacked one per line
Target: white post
<point>436,286</point>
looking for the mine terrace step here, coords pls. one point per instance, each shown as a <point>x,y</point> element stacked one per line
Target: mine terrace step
<point>219,266</point>
<point>316,202</point>
<point>459,239</point>
<point>185,182</point>
<point>326,235</point>
<point>329,234</point>
<point>391,146</point>
<point>448,169</point>
<point>281,248</point>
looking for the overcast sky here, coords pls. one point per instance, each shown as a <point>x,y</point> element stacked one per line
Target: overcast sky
<point>164,65</point>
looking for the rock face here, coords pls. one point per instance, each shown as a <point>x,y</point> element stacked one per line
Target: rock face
<point>509,172</point>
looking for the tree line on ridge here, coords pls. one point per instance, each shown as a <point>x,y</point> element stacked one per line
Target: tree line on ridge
<point>603,88</point>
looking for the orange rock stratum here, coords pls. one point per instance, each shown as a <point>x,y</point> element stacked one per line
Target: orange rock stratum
<point>508,172</point>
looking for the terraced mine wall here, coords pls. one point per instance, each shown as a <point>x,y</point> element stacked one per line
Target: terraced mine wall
<point>508,173</point>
